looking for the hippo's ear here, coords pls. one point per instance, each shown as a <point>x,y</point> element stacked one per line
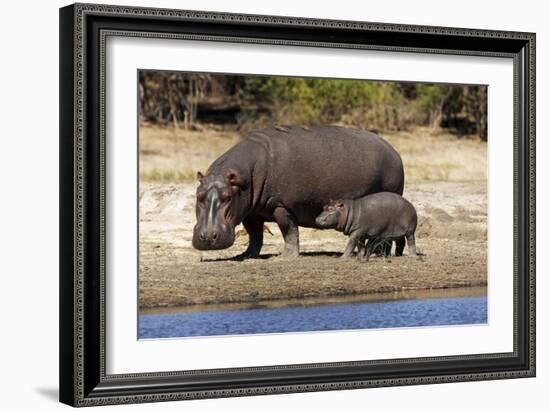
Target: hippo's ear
<point>234,178</point>
<point>339,203</point>
<point>199,176</point>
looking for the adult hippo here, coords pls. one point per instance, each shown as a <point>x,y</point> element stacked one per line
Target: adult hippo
<point>287,174</point>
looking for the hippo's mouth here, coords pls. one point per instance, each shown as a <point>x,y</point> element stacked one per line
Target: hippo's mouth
<point>205,240</point>
<point>321,221</point>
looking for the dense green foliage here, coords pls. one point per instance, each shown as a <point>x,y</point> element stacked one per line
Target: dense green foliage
<point>251,101</point>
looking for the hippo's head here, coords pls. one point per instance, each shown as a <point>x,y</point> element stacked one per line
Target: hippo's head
<point>220,206</point>
<point>331,215</point>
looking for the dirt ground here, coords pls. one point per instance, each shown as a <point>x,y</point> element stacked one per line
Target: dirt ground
<point>445,181</point>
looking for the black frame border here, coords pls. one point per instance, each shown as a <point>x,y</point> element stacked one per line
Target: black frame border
<point>83,31</point>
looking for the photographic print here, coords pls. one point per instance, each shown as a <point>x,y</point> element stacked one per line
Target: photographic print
<point>260,204</point>
<point>272,204</point>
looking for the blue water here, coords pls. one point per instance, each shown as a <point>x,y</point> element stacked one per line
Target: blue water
<point>349,316</point>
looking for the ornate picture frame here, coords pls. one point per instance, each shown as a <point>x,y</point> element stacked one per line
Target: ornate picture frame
<point>84,29</point>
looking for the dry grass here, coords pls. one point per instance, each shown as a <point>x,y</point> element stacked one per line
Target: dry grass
<point>430,155</point>
<point>169,154</point>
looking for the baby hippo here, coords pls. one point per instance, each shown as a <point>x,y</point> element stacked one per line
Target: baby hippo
<point>376,217</point>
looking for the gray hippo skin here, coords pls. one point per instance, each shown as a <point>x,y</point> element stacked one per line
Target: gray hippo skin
<point>376,217</point>
<point>286,174</point>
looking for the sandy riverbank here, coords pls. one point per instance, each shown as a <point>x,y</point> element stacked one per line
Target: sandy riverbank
<point>452,238</point>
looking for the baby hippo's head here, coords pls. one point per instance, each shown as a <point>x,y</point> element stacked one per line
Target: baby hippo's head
<point>331,214</point>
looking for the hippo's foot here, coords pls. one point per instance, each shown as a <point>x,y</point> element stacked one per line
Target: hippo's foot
<point>349,251</point>
<point>289,253</point>
<point>246,255</point>
<point>289,228</point>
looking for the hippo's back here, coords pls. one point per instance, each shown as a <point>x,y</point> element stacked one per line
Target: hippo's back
<point>306,167</point>
<point>385,211</point>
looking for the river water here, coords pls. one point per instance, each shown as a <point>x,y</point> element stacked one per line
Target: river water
<point>316,316</point>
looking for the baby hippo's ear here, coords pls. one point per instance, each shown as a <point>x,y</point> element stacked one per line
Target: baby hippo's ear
<point>339,203</point>
<point>199,176</point>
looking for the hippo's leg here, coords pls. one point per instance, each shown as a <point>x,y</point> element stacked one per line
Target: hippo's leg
<point>361,248</point>
<point>350,246</point>
<point>255,228</point>
<point>369,248</point>
<point>352,243</point>
<point>399,246</point>
<point>412,245</point>
<point>288,226</point>
<point>387,247</point>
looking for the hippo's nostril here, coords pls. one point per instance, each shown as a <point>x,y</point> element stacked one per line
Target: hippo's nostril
<point>202,236</point>
<point>214,236</point>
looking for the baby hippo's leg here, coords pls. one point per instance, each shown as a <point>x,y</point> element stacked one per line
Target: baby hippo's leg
<point>350,246</point>
<point>369,248</point>
<point>412,244</point>
<point>399,246</point>
<point>360,249</point>
<point>387,248</point>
